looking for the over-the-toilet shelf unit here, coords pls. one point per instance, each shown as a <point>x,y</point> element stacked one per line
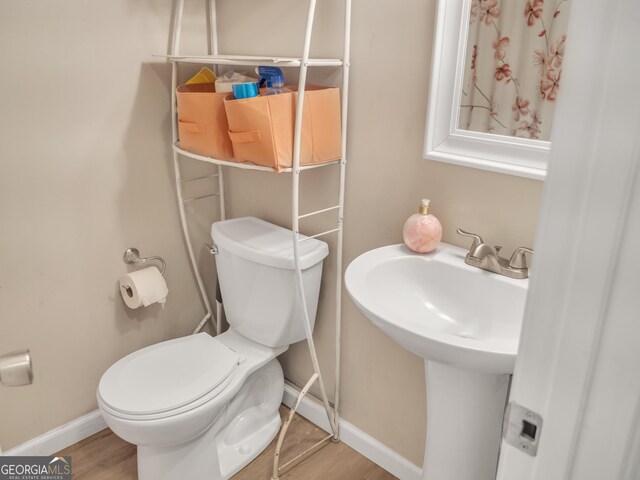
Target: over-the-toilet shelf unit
<point>303,63</point>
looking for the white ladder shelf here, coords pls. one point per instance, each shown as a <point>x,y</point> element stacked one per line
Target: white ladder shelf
<point>303,63</point>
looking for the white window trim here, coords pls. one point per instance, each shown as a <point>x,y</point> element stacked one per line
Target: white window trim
<point>444,141</point>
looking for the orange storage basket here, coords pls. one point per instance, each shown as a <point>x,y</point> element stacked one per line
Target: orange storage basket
<point>202,122</point>
<point>261,128</point>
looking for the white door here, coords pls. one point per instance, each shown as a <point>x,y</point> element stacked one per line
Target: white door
<point>579,361</point>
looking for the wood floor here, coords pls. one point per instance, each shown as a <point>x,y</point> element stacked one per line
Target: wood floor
<point>104,456</point>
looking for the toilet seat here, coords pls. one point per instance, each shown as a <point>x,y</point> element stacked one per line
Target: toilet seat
<point>169,377</point>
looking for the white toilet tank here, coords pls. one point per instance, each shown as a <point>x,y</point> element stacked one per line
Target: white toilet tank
<point>257,279</point>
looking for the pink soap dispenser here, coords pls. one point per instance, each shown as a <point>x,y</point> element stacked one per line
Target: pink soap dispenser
<point>422,231</point>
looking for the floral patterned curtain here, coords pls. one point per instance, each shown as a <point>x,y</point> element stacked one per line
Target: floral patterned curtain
<point>513,66</point>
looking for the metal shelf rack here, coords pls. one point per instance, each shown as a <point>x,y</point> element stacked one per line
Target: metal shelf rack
<point>246,166</point>
<point>253,60</point>
<point>303,63</point>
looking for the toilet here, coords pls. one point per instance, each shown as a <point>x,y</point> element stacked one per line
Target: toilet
<point>202,407</point>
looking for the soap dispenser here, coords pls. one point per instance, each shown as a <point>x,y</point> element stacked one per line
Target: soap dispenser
<point>422,231</point>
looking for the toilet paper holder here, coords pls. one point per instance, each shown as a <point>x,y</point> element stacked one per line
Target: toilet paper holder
<point>132,255</point>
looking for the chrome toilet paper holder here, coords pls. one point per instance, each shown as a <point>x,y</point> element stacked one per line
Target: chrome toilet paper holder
<point>132,256</point>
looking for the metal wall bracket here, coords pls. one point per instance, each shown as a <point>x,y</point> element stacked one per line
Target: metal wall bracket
<point>132,256</point>
<point>522,428</point>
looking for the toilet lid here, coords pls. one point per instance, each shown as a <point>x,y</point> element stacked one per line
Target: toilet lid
<point>267,244</point>
<point>167,375</point>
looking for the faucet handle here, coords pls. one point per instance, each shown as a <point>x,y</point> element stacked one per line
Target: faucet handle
<point>477,239</point>
<point>518,258</point>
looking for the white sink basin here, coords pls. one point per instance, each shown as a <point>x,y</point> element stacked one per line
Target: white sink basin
<point>440,308</point>
<point>465,322</point>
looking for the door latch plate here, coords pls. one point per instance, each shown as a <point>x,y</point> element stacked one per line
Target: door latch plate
<point>522,428</point>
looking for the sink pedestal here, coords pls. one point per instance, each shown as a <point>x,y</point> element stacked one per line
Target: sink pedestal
<point>464,423</point>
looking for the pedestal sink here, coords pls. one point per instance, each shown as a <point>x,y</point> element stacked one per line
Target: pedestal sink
<point>465,323</point>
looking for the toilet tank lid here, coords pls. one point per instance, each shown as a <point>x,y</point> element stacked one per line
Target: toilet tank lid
<point>265,243</point>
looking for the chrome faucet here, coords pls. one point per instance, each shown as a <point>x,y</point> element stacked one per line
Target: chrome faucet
<point>488,258</point>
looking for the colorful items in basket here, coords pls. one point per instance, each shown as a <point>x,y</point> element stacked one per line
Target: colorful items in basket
<point>277,86</point>
<point>270,77</point>
<point>227,80</point>
<point>266,76</point>
<point>205,75</point>
<point>245,90</point>
<point>257,126</point>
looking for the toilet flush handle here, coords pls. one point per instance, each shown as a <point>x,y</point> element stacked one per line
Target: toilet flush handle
<point>213,248</point>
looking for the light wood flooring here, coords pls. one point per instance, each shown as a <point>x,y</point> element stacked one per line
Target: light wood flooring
<point>104,456</point>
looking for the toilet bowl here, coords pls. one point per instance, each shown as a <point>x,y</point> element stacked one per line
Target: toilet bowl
<point>202,407</point>
<point>191,432</point>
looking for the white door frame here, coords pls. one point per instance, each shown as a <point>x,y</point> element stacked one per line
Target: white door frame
<point>579,360</point>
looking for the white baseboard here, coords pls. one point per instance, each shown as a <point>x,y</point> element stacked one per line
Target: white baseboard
<point>352,436</point>
<point>87,425</point>
<point>61,437</point>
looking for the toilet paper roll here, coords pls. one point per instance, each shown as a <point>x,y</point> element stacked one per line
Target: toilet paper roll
<point>143,287</point>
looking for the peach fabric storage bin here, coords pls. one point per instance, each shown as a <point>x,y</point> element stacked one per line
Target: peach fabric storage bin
<point>202,121</point>
<point>261,128</point>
